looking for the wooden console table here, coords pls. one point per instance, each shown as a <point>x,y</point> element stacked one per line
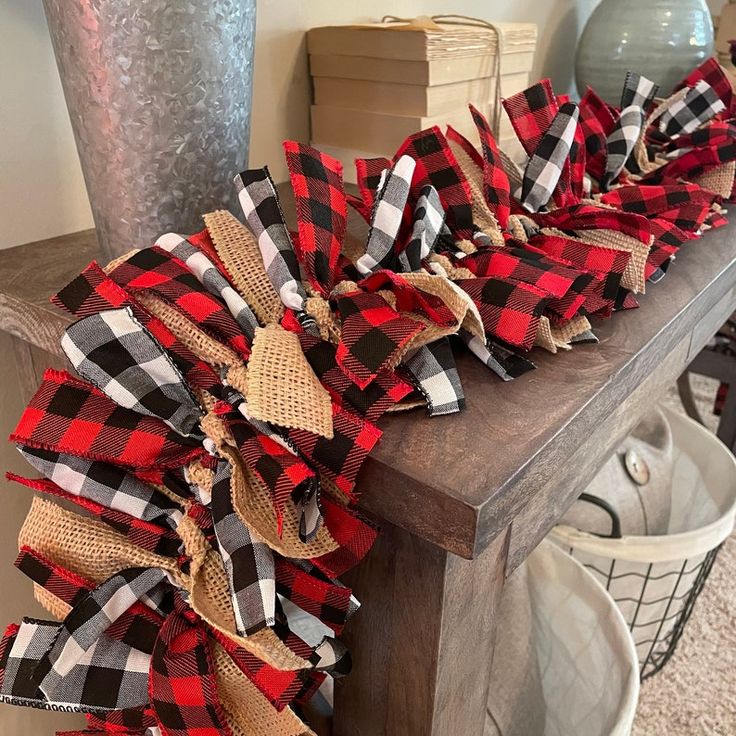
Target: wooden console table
<point>463,499</point>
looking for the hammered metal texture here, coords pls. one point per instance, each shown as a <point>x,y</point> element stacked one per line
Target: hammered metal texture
<point>159,94</point>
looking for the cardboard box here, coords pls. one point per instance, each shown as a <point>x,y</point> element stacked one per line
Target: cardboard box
<point>426,73</point>
<point>413,99</point>
<point>413,43</point>
<point>381,134</point>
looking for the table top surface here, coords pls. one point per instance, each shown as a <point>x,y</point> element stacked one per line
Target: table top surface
<point>458,480</point>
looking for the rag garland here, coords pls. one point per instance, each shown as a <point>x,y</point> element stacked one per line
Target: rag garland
<point>228,387</point>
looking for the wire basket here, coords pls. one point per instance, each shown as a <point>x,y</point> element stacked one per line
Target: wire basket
<point>655,580</point>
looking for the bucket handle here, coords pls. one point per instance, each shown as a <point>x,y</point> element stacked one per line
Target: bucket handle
<point>615,520</point>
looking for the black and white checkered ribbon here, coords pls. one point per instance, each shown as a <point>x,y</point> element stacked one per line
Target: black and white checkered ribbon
<point>116,353</point>
<point>90,619</point>
<point>506,364</point>
<point>110,675</point>
<point>544,168</point>
<point>211,278</point>
<point>435,374</point>
<point>262,210</point>
<point>687,114</point>
<point>105,484</point>
<point>638,94</point>
<point>248,560</point>
<point>388,214</point>
<point>429,219</point>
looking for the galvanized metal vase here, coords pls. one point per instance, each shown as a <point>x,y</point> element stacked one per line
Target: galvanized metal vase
<point>661,39</point>
<point>159,94</point>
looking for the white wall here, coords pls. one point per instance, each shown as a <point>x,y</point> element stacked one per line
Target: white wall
<point>42,191</point>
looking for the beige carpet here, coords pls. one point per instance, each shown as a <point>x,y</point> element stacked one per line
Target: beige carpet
<point>695,693</point>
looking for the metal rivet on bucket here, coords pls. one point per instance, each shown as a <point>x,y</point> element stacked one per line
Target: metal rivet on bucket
<point>636,467</point>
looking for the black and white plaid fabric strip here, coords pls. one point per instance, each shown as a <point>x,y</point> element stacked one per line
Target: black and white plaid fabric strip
<point>90,619</point>
<point>504,363</point>
<point>545,166</point>
<point>248,560</point>
<point>262,210</point>
<point>211,278</point>
<point>116,353</point>
<point>388,213</point>
<point>686,115</point>
<point>639,91</point>
<point>435,373</point>
<point>105,484</point>
<point>621,141</point>
<point>110,675</point>
<point>429,217</point>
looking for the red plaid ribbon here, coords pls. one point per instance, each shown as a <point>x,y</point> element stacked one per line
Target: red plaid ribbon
<point>370,402</point>
<point>321,211</point>
<point>437,165</point>
<point>596,122</point>
<point>341,456</point>
<point>182,680</point>
<point>160,273</point>
<point>283,473</point>
<point>496,187</point>
<point>71,416</point>
<point>510,310</point>
<point>372,337</point>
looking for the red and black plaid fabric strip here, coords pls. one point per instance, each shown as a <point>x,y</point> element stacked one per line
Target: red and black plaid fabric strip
<point>160,273</point>
<point>130,721</point>
<point>70,416</point>
<point>522,265</point>
<point>568,287</point>
<point>369,172</point>
<point>596,122</point>
<point>437,165</point>
<point>496,187</point>
<point>69,588</point>
<point>409,298</point>
<point>93,291</point>
<point>370,402</point>
<point>341,456</point>
<point>694,163</point>
<point>321,211</point>
<point>531,113</point>
<point>589,217</point>
<point>282,472</point>
<point>711,72</point>
<point>182,681</point>
<point>326,600</point>
<point>373,335</point>
<point>354,534</point>
<point>606,263</point>
<point>279,687</point>
<point>152,537</point>
<point>510,310</point>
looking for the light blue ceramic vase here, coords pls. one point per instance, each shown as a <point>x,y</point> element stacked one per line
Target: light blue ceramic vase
<point>661,39</point>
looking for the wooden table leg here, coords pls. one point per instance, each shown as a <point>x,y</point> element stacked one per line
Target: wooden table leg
<point>422,648</point>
